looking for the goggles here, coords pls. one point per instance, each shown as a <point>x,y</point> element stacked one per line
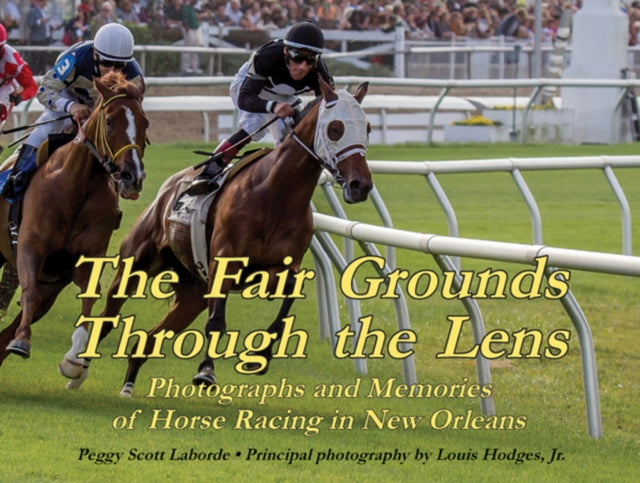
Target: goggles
<point>298,57</point>
<point>111,63</point>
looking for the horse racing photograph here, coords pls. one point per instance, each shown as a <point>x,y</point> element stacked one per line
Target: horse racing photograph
<point>324,254</point>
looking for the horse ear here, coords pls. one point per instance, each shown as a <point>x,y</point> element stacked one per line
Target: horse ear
<point>327,92</point>
<point>138,82</point>
<point>361,91</point>
<point>102,88</point>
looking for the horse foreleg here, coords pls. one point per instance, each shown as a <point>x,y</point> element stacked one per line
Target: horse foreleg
<point>6,335</point>
<point>8,286</point>
<point>29,265</point>
<point>187,305</point>
<point>9,331</point>
<point>71,366</point>
<point>276,328</point>
<point>76,369</point>
<point>216,323</point>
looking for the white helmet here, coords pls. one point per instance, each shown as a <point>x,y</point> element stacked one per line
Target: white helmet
<point>114,41</point>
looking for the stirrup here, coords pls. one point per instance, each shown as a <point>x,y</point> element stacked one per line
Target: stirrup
<point>201,186</point>
<point>13,186</point>
<point>8,190</point>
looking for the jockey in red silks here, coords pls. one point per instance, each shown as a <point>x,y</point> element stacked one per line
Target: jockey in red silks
<point>16,79</point>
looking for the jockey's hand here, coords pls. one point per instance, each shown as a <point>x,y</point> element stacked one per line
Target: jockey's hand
<point>80,112</point>
<point>284,110</point>
<point>15,97</point>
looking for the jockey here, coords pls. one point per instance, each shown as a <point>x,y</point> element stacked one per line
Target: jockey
<point>266,86</point>
<point>15,77</point>
<point>68,88</point>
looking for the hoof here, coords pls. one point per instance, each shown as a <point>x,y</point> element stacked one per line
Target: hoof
<point>205,377</point>
<point>252,368</point>
<point>71,369</point>
<point>76,383</point>
<point>127,390</point>
<point>20,347</point>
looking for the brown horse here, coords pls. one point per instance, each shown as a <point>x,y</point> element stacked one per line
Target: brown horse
<point>263,213</point>
<point>71,206</point>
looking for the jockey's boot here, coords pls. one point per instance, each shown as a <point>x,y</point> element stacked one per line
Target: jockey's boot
<point>223,155</point>
<point>20,173</point>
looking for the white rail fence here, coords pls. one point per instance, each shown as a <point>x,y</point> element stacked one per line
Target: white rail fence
<point>394,118</point>
<point>446,249</point>
<point>457,58</point>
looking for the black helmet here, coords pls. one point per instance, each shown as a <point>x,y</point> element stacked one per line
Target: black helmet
<point>305,35</point>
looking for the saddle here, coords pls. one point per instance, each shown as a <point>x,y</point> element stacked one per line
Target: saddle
<point>45,150</point>
<point>188,217</point>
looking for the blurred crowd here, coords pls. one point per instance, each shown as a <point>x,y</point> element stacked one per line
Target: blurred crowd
<point>422,19</point>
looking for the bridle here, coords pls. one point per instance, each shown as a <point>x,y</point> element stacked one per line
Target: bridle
<point>332,157</point>
<point>331,167</point>
<point>107,161</point>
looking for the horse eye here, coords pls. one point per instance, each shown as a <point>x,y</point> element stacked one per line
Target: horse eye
<point>335,130</point>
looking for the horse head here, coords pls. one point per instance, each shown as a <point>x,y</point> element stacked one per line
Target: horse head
<point>120,132</point>
<point>341,138</point>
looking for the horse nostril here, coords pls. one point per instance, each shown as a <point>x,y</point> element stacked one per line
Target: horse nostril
<point>126,176</point>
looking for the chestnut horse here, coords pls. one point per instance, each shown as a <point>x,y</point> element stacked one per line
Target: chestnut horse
<point>262,213</point>
<point>70,208</point>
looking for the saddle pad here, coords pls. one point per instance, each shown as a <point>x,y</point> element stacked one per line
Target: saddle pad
<point>192,211</point>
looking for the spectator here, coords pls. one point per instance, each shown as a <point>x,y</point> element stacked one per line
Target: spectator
<point>456,24</point>
<point>328,15</point>
<point>388,20</point>
<point>141,9</point>
<point>245,21</point>
<point>79,27</point>
<point>509,26</point>
<point>254,12</point>
<point>308,13</point>
<point>279,17</point>
<point>293,12</point>
<point>104,17</point>
<point>11,20</point>
<point>266,22</point>
<point>184,16</point>
<point>39,34</point>
<point>220,16</point>
<point>434,20</point>
<point>484,25</point>
<point>233,11</point>
<point>126,13</point>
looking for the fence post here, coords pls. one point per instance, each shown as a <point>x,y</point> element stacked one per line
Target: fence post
<point>399,56</point>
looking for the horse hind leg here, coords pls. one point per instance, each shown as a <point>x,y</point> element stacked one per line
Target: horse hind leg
<point>187,305</point>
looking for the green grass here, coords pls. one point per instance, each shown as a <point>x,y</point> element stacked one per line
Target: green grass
<point>45,427</point>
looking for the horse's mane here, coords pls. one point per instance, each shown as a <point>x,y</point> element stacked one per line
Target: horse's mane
<point>301,115</point>
<point>117,82</point>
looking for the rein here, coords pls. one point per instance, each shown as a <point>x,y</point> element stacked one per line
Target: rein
<point>333,169</point>
<point>107,161</point>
